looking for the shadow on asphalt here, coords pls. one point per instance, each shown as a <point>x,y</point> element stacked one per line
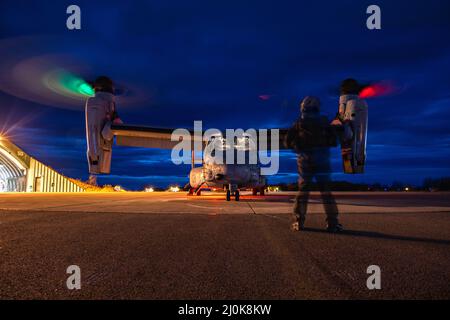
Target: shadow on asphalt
<point>378,235</point>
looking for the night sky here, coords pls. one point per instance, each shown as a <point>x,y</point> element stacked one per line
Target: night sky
<point>212,60</point>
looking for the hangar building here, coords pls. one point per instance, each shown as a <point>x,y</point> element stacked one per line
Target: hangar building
<point>21,173</point>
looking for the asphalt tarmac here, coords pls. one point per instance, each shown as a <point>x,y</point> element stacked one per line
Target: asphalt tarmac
<point>170,246</point>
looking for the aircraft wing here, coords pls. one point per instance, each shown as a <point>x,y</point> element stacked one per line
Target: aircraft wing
<point>160,138</point>
<point>145,137</point>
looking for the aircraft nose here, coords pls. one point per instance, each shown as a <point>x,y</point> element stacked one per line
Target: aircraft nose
<point>220,176</point>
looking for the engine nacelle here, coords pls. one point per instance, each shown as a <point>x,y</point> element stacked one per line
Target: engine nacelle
<point>354,115</point>
<point>99,114</point>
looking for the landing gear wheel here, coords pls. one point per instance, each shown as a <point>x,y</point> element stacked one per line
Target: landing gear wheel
<point>255,191</point>
<point>228,195</point>
<point>236,195</point>
<point>262,191</point>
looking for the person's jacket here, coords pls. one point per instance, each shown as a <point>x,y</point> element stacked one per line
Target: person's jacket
<point>309,132</point>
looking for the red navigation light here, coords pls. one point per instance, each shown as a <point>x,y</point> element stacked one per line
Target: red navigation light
<point>265,97</point>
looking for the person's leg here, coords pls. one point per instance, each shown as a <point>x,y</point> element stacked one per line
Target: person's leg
<point>301,200</point>
<point>329,202</point>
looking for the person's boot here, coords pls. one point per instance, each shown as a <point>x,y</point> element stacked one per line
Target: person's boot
<point>335,228</point>
<point>298,225</point>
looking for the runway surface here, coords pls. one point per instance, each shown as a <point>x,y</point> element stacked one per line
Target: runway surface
<point>170,246</point>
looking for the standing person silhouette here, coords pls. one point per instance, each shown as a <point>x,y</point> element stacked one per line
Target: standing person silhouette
<point>311,136</point>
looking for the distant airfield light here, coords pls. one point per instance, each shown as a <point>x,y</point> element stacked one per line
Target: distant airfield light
<point>174,189</point>
<point>406,189</point>
<point>150,189</point>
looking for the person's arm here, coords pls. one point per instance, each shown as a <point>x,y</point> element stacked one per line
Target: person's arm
<point>332,131</point>
<point>292,136</point>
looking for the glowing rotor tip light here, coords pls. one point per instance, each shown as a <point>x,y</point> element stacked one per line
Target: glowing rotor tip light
<point>174,189</point>
<point>74,84</point>
<point>367,92</point>
<point>378,90</point>
<point>85,89</point>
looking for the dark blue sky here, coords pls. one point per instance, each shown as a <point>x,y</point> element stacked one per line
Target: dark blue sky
<point>210,60</point>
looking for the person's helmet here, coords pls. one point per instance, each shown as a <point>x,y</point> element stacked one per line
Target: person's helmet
<point>310,104</point>
<point>350,86</point>
<point>103,84</point>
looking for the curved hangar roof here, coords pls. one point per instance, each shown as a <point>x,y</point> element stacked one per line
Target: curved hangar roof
<point>20,172</point>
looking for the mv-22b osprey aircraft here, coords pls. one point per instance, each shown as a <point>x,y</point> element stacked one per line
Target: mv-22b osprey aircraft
<point>103,124</point>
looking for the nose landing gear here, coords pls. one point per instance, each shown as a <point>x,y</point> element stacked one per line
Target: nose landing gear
<point>232,190</point>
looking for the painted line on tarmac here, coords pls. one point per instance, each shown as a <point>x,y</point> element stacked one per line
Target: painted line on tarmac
<point>204,207</point>
<point>251,208</point>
